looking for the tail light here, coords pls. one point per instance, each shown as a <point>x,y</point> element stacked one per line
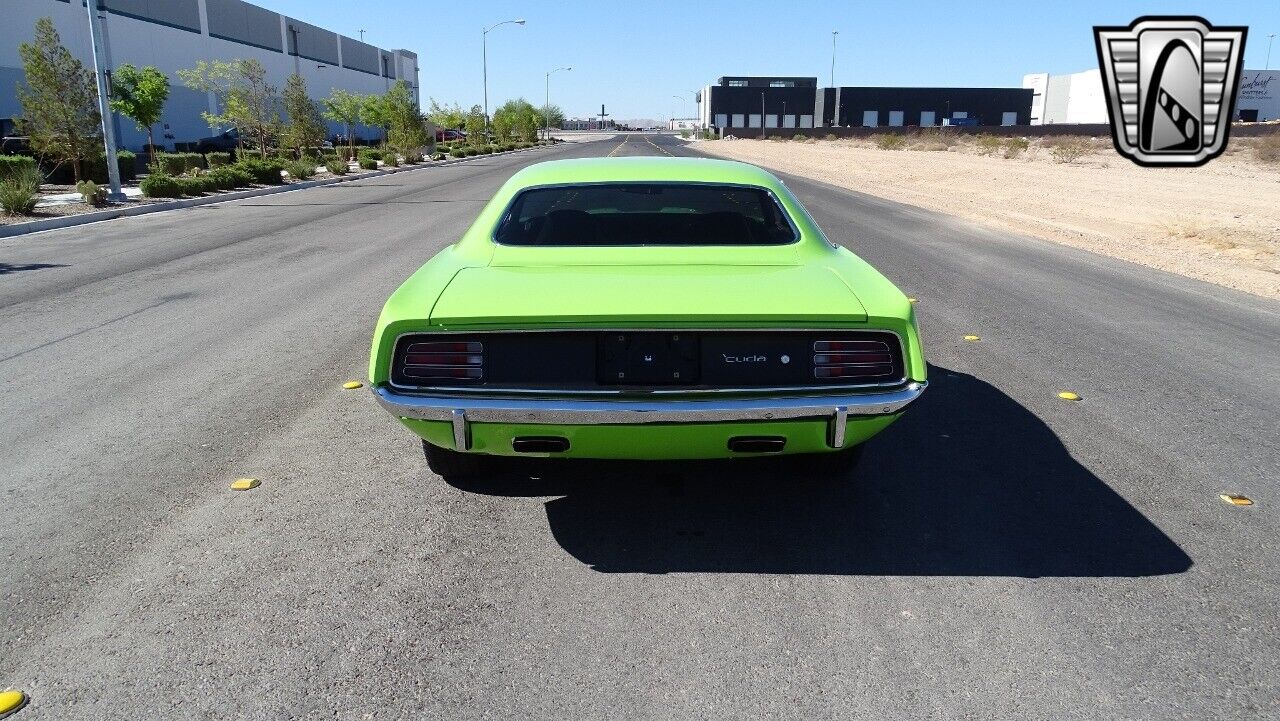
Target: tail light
<point>852,359</point>
<point>445,360</point>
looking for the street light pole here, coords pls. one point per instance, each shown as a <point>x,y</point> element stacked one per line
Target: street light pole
<point>673,118</point>
<point>834,33</point>
<point>546,119</point>
<point>1270,39</point>
<point>104,104</point>
<point>484,57</point>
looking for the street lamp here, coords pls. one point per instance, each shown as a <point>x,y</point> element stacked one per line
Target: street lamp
<point>1270,38</point>
<point>546,106</point>
<point>834,33</point>
<point>484,54</point>
<point>673,116</point>
<point>100,71</point>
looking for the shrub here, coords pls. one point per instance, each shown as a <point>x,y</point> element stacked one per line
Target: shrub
<point>472,152</point>
<point>890,141</point>
<point>301,169</point>
<point>19,190</point>
<point>217,160</point>
<point>367,163</point>
<point>372,153</point>
<point>328,153</point>
<point>96,168</point>
<point>197,184</point>
<point>987,143</point>
<point>161,185</point>
<point>266,172</point>
<point>799,137</point>
<point>1267,148</point>
<point>93,194</point>
<point>171,163</point>
<point>13,165</point>
<point>336,166</point>
<point>936,138</point>
<point>438,156</point>
<point>1013,147</point>
<point>458,153</point>
<point>830,136</point>
<point>1068,150</point>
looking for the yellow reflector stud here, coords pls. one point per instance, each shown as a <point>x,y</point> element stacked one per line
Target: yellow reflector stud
<point>972,338</point>
<point>244,484</point>
<point>351,385</point>
<point>913,300</point>
<point>11,701</point>
<point>1069,396</point>
<point>1236,499</point>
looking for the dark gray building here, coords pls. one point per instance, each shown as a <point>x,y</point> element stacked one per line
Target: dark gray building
<point>797,102</point>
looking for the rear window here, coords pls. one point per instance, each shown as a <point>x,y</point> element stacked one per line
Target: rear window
<point>645,214</point>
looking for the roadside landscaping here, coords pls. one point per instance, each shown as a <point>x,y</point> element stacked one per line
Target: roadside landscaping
<point>1218,223</point>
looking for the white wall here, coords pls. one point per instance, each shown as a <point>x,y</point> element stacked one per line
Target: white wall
<point>1260,90</point>
<point>1073,98</point>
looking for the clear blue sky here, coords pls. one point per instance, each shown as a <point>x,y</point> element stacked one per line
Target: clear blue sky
<point>633,55</point>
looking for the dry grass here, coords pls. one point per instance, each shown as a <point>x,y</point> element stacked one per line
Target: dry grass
<point>1267,148</point>
<point>890,141</point>
<point>1068,149</point>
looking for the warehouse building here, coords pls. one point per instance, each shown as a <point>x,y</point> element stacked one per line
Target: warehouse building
<point>1073,98</point>
<point>798,102</point>
<point>1078,97</point>
<point>174,35</point>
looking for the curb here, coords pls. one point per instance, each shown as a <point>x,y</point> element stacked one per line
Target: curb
<point>69,221</point>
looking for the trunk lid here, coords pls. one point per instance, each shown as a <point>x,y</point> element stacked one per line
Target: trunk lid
<point>684,294</point>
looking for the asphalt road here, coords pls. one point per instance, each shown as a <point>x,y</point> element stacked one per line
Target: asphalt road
<point>1001,553</point>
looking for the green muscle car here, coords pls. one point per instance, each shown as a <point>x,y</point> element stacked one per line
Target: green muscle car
<point>645,308</point>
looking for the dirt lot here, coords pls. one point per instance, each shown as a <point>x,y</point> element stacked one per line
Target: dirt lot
<point>1219,223</point>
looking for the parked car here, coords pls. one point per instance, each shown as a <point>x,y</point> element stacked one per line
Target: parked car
<point>645,308</point>
<point>225,141</point>
<point>11,143</point>
<point>446,135</point>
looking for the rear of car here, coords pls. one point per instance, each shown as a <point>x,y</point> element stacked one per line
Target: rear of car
<point>647,309</point>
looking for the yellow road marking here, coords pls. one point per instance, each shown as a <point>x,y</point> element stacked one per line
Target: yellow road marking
<point>244,484</point>
<point>647,140</point>
<point>11,701</point>
<point>1236,499</point>
<point>625,138</point>
<point>1069,396</point>
<point>351,385</point>
<point>972,338</point>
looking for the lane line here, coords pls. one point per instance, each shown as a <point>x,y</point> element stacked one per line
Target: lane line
<point>625,138</point>
<point>647,140</point>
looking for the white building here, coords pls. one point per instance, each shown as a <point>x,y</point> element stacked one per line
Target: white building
<point>175,34</point>
<point>1074,98</point>
<point>1259,96</point>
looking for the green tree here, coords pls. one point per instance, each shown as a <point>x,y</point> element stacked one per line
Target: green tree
<point>59,101</point>
<point>443,116</point>
<point>374,113</point>
<point>306,128</point>
<point>247,101</point>
<point>519,119</point>
<point>474,123</point>
<point>140,96</point>
<point>344,107</point>
<point>552,116</point>
<point>406,129</point>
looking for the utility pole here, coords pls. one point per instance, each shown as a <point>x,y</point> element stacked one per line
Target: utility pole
<point>104,104</point>
<point>361,34</point>
<point>484,57</point>
<point>834,33</point>
<point>546,119</point>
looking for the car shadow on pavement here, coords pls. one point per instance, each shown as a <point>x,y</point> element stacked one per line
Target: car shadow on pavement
<point>967,483</point>
<point>9,268</point>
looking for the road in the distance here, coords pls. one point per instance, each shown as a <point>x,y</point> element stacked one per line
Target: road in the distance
<point>1000,554</point>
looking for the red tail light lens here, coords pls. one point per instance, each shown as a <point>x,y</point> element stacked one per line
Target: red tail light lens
<point>852,359</point>
<point>451,360</point>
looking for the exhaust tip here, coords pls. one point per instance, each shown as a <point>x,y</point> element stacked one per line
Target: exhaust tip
<point>539,444</point>
<point>757,444</point>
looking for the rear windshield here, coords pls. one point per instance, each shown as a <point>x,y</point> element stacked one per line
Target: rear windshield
<point>645,214</point>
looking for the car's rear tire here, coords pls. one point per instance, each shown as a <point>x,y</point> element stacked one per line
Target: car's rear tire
<point>449,464</point>
<point>836,465</point>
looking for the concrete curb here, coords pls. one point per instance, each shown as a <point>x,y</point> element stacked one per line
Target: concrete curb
<point>69,221</point>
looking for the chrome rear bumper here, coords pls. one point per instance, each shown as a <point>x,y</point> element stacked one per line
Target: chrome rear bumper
<point>461,411</point>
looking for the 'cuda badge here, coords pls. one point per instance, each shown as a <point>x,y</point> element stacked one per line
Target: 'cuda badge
<point>743,358</point>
